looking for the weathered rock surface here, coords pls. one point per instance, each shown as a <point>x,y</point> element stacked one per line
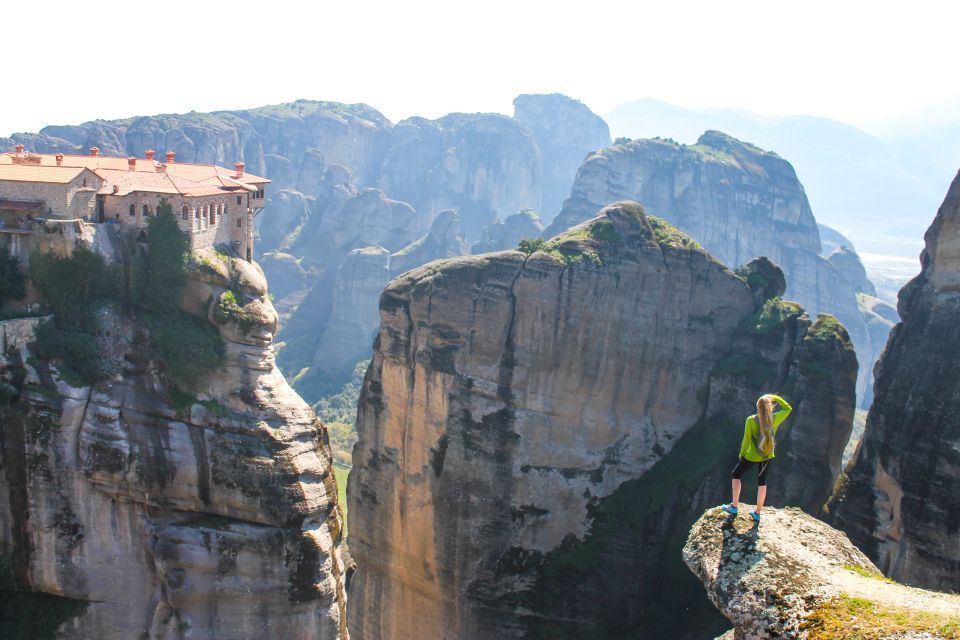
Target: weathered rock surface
<point>737,200</point>
<point>794,576</point>
<point>499,236</point>
<point>150,518</point>
<point>566,131</point>
<point>901,501</point>
<point>850,267</point>
<point>538,432</point>
<point>484,166</point>
<point>444,240</point>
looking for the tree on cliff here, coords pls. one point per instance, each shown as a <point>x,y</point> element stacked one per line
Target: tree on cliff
<point>13,284</point>
<point>167,262</point>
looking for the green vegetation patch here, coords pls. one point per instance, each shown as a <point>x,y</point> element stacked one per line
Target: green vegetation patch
<point>191,348</point>
<point>13,283</point>
<point>825,329</point>
<point>867,573</point>
<point>849,618</point>
<point>531,245</point>
<point>229,309</point>
<point>774,313</point>
<point>668,235</point>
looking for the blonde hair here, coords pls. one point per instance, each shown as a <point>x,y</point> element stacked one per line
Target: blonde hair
<point>764,438</point>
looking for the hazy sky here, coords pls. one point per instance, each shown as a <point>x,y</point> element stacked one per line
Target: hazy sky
<point>860,62</point>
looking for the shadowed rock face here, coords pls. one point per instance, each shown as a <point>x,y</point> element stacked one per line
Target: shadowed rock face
<point>538,432</point>
<point>500,236</point>
<point>566,131</point>
<point>738,201</point>
<point>161,519</point>
<point>901,501</point>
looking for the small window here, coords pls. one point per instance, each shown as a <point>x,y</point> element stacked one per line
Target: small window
<point>223,210</point>
<point>184,212</point>
<point>133,210</point>
<point>239,222</point>
<point>196,213</point>
<point>84,183</point>
<point>239,200</point>
<point>146,209</point>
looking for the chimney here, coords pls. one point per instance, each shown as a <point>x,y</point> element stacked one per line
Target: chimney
<point>94,151</point>
<point>161,167</point>
<point>170,156</point>
<point>116,188</point>
<point>19,148</point>
<point>239,167</point>
<point>149,154</point>
<point>59,159</point>
<point>132,163</point>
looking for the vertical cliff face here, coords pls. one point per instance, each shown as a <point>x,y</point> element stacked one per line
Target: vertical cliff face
<point>566,131</point>
<point>537,432</point>
<point>901,501</point>
<point>482,165</point>
<point>739,201</point>
<point>140,511</point>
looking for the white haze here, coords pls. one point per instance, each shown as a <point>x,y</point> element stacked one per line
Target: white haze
<point>859,62</point>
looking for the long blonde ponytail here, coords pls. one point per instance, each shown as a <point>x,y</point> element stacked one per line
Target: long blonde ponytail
<point>764,438</point>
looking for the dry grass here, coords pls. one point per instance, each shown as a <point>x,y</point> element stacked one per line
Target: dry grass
<point>847,618</point>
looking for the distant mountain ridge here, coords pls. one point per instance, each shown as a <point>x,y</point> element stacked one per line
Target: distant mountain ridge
<point>875,189</point>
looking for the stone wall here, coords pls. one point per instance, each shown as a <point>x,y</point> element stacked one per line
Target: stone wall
<point>75,199</point>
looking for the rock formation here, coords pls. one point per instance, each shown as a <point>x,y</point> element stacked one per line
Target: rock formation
<point>537,433</point>
<point>132,509</point>
<point>901,500</point>
<point>848,263</point>
<point>484,166</point>
<point>795,577</point>
<point>739,201</point>
<point>444,240</point>
<point>508,234</point>
<point>566,131</point>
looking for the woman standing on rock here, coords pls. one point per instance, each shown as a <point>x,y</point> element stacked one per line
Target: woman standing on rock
<point>759,439</point>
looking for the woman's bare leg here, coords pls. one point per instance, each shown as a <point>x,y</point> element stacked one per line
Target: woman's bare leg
<point>761,496</point>
<point>736,493</point>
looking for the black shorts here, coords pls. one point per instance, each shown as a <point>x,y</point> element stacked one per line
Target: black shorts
<point>743,464</point>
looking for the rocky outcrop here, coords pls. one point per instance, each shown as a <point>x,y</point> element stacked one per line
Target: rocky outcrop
<point>848,263</point>
<point>498,236</point>
<point>737,200</point>
<point>901,498</point>
<point>566,131</point>
<point>444,240</point>
<point>795,577</point>
<point>538,432</point>
<point>132,509</point>
<point>484,166</point>
<point>880,318</point>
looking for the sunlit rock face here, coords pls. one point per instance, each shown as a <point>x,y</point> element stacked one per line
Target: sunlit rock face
<point>738,201</point>
<point>901,501</point>
<point>154,514</point>
<point>538,432</point>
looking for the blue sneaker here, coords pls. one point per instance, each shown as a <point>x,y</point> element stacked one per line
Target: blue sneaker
<point>730,509</point>
<point>755,516</point>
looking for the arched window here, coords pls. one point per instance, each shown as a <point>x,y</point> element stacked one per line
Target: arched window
<point>196,213</point>
<point>185,212</point>
<point>213,215</point>
<point>223,210</point>
<point>133,210</point>
<point>146,209</point>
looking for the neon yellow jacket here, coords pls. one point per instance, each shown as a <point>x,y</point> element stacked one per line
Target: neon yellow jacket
<point>748,449</point>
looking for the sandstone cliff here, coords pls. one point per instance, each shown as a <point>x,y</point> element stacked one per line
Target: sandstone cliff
<point>135,509</point>
<point>795,577</point>
<point>537,433</point>
<point>739,201</point>
<point>566,131</point>
<point>901,500</point>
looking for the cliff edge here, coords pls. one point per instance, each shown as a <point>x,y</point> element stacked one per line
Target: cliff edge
<point>796,577</point>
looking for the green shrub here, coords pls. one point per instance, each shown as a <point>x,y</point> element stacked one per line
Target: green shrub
<point>80,362</point>
<point>69,284</point>
<point>774,313</point>
<point>190,348</point>
<point>531,245</point>
<point>603,230</point>
<point>229,309</point>
<point>13,284</point>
